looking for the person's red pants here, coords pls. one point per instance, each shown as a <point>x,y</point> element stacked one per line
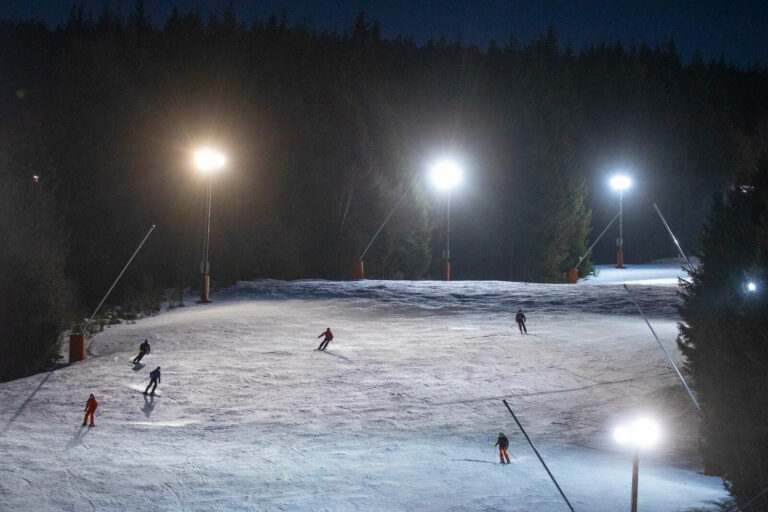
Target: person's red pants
<point>88,413</point>
<point>503,453</point>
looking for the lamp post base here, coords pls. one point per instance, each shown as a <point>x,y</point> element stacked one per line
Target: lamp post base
<point>206,290</point>
<point>76,347</point>
<point>447,270</point>
<point>358,271</point>
<point>620,259</point>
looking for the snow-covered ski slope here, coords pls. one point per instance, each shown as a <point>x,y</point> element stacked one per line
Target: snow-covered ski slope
<point>253,418</point>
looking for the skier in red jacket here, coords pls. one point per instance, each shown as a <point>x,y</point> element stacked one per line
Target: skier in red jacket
<point>90,408</point>
<point>328,337</point>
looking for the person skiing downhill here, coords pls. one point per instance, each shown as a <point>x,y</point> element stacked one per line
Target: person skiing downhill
<point>90,408</point>
<point>143,350</point>
<point>328,337</point>
<point>154,378</point>
<point>503,444</point>
<point>520,319</point>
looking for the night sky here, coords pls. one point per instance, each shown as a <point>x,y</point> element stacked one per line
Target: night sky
<point>735,30</point>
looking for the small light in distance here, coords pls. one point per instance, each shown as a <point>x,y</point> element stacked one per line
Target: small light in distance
<point>35,178</point>
<point>446,174</point>
<point>751,286</point>
<point>620,182</point>
<point>209,160</point>
<point>643,433</point>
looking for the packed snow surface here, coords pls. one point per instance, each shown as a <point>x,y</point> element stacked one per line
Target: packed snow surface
<point>660,274</point>
<point>400,414</point>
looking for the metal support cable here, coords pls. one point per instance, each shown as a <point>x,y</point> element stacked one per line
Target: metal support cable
<point>597,240</point>
<point>386,220</point>
<point>88,323</point>
<point>690,393</point>
<point>539,456</point>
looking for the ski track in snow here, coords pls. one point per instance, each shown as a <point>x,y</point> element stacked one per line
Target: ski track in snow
<point>252,418</point>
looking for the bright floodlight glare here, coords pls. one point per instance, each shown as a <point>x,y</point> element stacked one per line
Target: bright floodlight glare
<point>620,182</point>
<point>643,433</point>
<point>209,159</point>
<point>446,174</point>
<point>751,286</point>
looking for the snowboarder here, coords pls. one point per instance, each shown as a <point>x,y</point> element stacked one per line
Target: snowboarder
<point>520,319</point>
<point>90,408</point>
<point>154,378</point>
<point>143,350</point>
<point>503,444</point>
<point>328,337</point>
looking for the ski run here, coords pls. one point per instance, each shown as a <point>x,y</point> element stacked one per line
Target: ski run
<point>400,413</point>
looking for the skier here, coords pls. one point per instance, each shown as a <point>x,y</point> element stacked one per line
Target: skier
<point>503,444</point>
<point>90,408</point>
<point>520,319</point>
<point>143,350</point>
<point>328,337</point>
<point>154,378</point>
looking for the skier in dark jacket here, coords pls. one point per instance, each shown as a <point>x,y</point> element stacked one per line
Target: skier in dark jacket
<point>520,319</point>
<point>143,350</point>
<point>328,337</point>
<point>154,378</point>
<point>503,444</point>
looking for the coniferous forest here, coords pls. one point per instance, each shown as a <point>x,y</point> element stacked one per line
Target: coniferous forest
<point>326,132</point>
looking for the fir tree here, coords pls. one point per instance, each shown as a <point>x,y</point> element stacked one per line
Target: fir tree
<point>723,335</point>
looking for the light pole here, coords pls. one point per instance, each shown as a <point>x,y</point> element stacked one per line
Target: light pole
<point>620,182</point>
<point>446,174</point>
<point>642,433</point>
<point>208,161</point>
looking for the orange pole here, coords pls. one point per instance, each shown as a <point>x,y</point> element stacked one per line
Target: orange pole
<point>76,347</point>
<point>358,271</point>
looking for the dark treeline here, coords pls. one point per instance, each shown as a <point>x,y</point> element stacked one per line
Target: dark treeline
<point>325,132</point>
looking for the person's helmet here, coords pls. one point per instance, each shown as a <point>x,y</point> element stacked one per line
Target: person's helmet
<point>501,434</point>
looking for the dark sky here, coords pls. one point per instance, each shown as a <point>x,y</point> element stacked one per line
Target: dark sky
<point>737,30</point>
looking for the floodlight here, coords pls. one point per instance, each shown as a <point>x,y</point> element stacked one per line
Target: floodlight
<point>642,433</point>
<point>751,286</point>
<point>620,182</point>
<point>446,174</point>
<point>207,160</point>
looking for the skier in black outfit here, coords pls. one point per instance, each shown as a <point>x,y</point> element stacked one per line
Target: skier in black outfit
<point>520,319</point>
<point>503,444</point>
<point>154,378</point>
<point>143,350</point>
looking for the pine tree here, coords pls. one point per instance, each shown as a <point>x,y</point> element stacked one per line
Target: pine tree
<point>723,335</point>
<point>32,254</point>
